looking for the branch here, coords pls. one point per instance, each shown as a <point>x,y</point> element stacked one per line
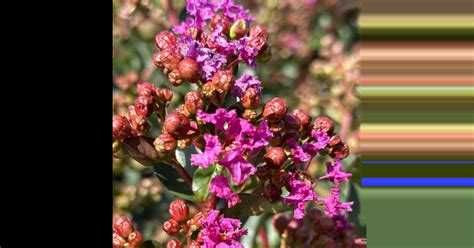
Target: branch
<point>182,172</point>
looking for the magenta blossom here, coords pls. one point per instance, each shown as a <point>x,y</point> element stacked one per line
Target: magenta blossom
<point>219,118</point>
<point>243,83</point>
<point>220,187</point>
<point>301,192</point>
<point>219,232</point>
<point>238,167</point>
<point>297,152</point>
<point>210,154</point>
<point>335,174</point>
<point>332,204</point>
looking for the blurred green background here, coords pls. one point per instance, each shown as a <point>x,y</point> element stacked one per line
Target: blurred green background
<point>315,67</point>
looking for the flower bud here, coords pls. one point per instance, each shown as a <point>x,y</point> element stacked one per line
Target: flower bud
<point>276,126</point>
<point>123,226</point>
<point>219,20</point>
<point>257,43</point>
<point>208,89</point>
<point>193,102</point>
<point>275,140</point>
<point>251,98</point>
<point>121,127</point>
<point>165,143</point>
<point>179,210</point>
<point>258,31</point>
<point>164,95</point>
<point>177,125</point>
<point>116,145</point>
<point>175,78</point>
<point>223,80</point>
<point>143,106</point>
<point>174,243</point>
<point>340,151</point>
<point>272,192</point>
<point>146,89</point>
<point>324,124</point>
<point>165,40</point>
<point>303,118</point>
<point>139,124</point>
<point>198,219</point>
<point>135,238</point>
<point>182,110</point>
<point>302,233</point>
<point>250,115</point>
<point>171,226</point>
<point>238,29</point>
<point>183,143</point>
<point>275,157</point>
<point>168,59</point>
<point>292,124</point>
<point>275,109</point>
<point>262,173</point>
<point>194,244</point>
<point>189,70</point>
<point>280,222</point>
<point>334,140</point>
<point>117,240</point>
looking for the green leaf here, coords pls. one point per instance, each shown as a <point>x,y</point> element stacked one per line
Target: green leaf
<point>152,244</point>
<point>202,179</point>
<point>171,179</point>
<point>253,204</point>
<point>184,158</point>
<point>141,149</point>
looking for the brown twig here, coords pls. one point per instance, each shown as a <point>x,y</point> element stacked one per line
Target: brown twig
<point>182,172</point>
<point>263,236</point>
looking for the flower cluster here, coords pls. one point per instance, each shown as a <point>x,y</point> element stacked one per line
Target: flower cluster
<point>266,148</point>
<point>125,234</point>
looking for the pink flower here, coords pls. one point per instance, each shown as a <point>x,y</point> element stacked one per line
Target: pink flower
<point>220,186</point>
<point>238,167</point>
<point>332,204</point>
<point>219,232</point>
<point>301,193</point>
<point>335,174</point>
<point>211,152</point>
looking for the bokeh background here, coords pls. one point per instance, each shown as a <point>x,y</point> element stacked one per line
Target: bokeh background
<point>315,67</point>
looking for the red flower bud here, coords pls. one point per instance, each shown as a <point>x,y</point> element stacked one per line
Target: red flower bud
<point>118,241</point>
<point>251,98</point>
<point>272,192</point>
<point>164,95</point>
<point>324,124</point>
<point>193,101</point>
<point>238,29</point>
<point>123,226</point>
<point>275,109</point>
<point>139,124</point>
<point>165,143</point>
<point>121,127</point>
<point>292,124</point>
<point>144,106</point>
<point>223,80</point>
<point>258,43</point>
<point>275,157</point>
<point>168,59</point>
<point>146,89</point>
<point>276,139</point>
<point>258,31</point>
<point>302,233</point>
<point>177,125</point>
<point>175,78</point>
<point>340,151</point>
<point>276,126</point>
<point>262,172</point>
<point>135,238</point>
<point>171,226</point>
<point>219,20</point>
<point>189,70</point>
<point>181,109</point>
<point>304,118</point>
<point>194,244</point>
<point>198,219</point>
<point>165,40</point>
<point>179,210</point>
<point>280,222</point>
<point>334,140</point>
<point>208,89</point>
<point>174,243</point>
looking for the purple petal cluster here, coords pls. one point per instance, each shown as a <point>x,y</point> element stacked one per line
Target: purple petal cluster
<point>220,232</point>
<point>220,187</point>
<point>301,192</point>
<point>335,174</point>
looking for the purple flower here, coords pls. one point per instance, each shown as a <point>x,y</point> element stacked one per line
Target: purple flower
<point>322,138</point>
<point>300,193</point>
<point>210,154</point>
<point>210,61</point>
<point>297,152</point>
<point>234,12</point>
<point>184,26</point>
<point>243,83</point>
<point>335,174</point>
<point>257,138</point>
<point>247,53</point>
<point>220,186</point>
<point>219,118</point>
<point>332,204</point>
<point>238,167</point>
<point>219,232</point>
